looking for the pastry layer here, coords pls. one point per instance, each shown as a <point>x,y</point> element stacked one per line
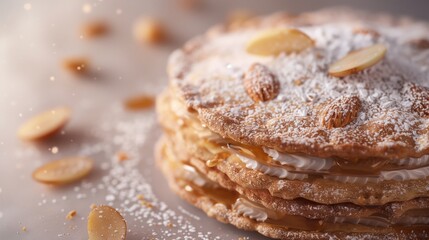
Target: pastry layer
<point>255,169</point>
<point>393,122</point>
<point>231,207</point>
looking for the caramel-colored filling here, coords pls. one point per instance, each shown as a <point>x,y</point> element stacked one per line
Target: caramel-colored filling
<point>369,170</point>
<point>219,195</point>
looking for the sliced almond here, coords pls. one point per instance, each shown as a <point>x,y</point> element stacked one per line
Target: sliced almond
<point>78,66</point>
<point>105,222</point>
<point>358,60</point>
<point>340,112</point>
<point>149,30</point>
<point>260,84</point>
<point>45,124</point>
<point>63,171</point>
<point>139,102</point>
<point>94,29</point>
<point>276,41</point>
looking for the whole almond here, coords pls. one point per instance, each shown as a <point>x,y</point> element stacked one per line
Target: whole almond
<point>340,112</point>
<point>260,83</point>
<point>276,41</point>
<point>420,100</point>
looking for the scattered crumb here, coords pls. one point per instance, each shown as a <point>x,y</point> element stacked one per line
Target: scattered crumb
<point>24,228</point>
<point>149,30</point>
<point>76,65</point>
<point>94,29</point>
<point>122,156</point>
<point>139,102</point>
<point>71,214</point>
<point>143,201</point>
<point>298,81</point>
<point>140,197</point>
<point>170,225</point>
<point>147,204</point>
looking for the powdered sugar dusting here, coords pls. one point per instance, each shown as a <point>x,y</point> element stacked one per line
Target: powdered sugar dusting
<point>290,122</point>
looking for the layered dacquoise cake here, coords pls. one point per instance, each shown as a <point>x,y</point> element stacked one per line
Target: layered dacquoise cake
<point>311,126</point>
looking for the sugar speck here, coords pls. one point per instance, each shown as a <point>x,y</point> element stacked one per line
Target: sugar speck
<point>110,198</point>
<point>54,149</point>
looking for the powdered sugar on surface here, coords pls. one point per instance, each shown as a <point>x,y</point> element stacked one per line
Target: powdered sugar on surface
<point>387,121</point>
<point>125,185</point>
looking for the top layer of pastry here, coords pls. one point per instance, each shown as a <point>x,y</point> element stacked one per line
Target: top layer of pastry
<point>392,120</point>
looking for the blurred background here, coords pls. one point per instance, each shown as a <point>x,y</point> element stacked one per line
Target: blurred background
<point>42,42</point>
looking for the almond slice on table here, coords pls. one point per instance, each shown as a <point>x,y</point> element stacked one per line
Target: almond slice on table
<point>139,102</point>
<point>94,29</point>
<point>149,30</point>
<point>105,223</point>
<point>78,65</point>
<point>276,41</point>
<point>63,171</point>
<point>45,124</point>
<point>358,60</point>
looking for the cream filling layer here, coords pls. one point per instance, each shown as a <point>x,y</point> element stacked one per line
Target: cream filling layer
<point>397,175</point>
<point>192,175</point>
<point>250,210</point>
<point>314,163</point>
<point>269,170</point>
<point>301,162</point>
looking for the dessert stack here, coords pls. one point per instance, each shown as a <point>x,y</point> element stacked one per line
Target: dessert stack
<point>310,126</point>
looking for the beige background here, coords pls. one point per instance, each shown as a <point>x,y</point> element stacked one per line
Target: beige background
<point>33,42</point>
